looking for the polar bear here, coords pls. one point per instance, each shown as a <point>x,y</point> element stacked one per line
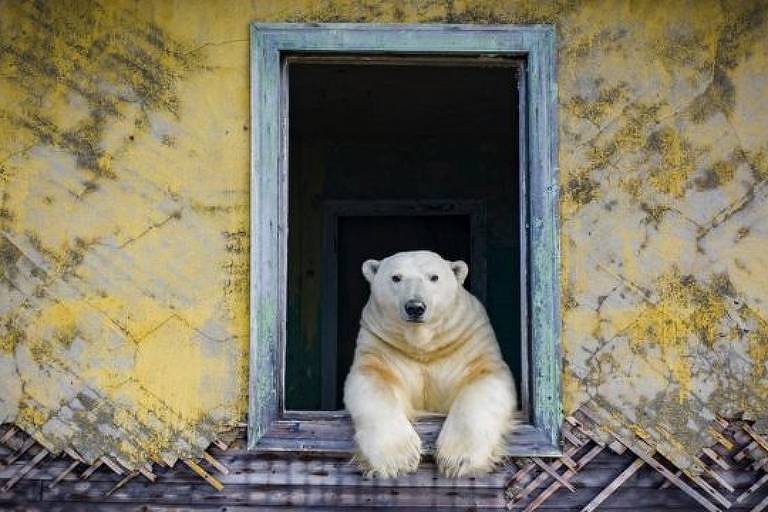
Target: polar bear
<point>426,344</point>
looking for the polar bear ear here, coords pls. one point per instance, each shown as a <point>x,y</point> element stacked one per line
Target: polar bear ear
<point>460,270</point>
<point>370,267</point>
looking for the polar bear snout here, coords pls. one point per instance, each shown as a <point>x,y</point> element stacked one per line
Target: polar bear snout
<point>414,310</point>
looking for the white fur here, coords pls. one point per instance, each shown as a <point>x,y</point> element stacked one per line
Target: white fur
<point>450,363</point>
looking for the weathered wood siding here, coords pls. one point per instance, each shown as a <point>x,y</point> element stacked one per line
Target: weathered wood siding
<point>291,482</point>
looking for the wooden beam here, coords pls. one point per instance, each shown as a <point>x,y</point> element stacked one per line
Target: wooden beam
<point>91,469</point>
<point>63,474</point>
<point>43,453</point>
<point>714,475</point>
<point>549,491</point>
<point>114,466</point>
<point>752,489</point>
<point>194,466</point>
<point>721,439</point>
<point>554,474</point>
<point>761,506</point>
<point>745,452</point>
<point>127,478</point>
<point>613,486</point>
<point>28,443</point>
<point>515,493</point>
<point>759,439</point>
<point>9,434</point>
<point>221,468</point>
<point>146,471</point>
<point>715,457</point>
<point>666,473</point>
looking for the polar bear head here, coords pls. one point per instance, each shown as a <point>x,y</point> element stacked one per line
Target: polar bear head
<point>416,286</point>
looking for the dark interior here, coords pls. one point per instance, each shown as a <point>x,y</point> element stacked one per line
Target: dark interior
<point>447,235</point>
<point>410,134</point>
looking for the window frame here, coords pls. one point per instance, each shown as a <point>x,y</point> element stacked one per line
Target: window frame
<point>270,427</point>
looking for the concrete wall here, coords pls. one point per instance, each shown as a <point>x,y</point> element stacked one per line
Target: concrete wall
<point>124,163</point>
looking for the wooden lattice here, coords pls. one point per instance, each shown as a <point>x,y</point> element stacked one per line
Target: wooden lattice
<point>21,444</point>
<point>735,470</point>
<point>739,448</point>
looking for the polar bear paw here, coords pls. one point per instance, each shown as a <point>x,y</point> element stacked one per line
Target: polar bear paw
<point>466,454</point>
<point>389,452</point>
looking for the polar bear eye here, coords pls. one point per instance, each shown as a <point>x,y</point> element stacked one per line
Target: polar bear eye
<point>396,278</point>
<point>434,278</point>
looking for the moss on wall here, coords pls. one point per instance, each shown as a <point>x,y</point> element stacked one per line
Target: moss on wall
<point>124,212</point>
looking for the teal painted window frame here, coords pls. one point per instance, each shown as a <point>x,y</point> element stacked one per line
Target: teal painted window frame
<point>270,429</point>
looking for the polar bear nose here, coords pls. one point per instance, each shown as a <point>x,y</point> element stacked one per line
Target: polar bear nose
<point>415,308</point>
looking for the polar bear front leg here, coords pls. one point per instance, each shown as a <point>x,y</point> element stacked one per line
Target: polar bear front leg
<point>388,443</point>
<point>472,439</point>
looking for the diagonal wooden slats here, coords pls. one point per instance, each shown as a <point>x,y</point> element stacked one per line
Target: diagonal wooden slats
<point>20,444</point>
<point>738,449</point>
<point>615,484</point>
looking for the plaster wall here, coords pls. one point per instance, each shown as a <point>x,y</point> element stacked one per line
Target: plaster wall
<point>124,176</point>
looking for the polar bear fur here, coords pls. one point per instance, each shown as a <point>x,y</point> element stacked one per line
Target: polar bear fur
<point>446,361</point>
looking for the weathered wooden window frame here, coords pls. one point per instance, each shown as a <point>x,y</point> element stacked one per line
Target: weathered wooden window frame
<point>270,427</point>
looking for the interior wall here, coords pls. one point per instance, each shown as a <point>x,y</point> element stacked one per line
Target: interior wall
<point>399,133</point>
<point>124,170</point>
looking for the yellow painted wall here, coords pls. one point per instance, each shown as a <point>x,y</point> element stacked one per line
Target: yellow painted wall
<point>124,212</point>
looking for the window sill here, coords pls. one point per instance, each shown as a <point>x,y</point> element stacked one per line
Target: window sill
<point>332,433</point>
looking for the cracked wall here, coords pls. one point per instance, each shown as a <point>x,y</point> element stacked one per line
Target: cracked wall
<point>124,213</point>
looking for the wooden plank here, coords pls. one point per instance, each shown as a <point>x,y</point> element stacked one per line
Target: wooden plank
<point>721,439</point>
<point>760,506</point>
<point>127,478</point>
<point>301,497</point>
<point>27,492</point>
<point>251,469</point>
<point>549,491</point>
<point>709,452</point>
<point>714,475</point>
<point>24,470</point>
<point>142,494</point>
<point>221,468</point>
<point>554,474</point>
<point>658,466</point>
<point>204,474</point>
<point>28,443</point>
<point>759,439</point>
<point>114,466</point>
<point>63,474</point>
<point>526,470</point>
<point>571,438</point>
<point>613,487</point>
<point>752,489</point>
<point>569,462</point>
<point>8,434</point>
<point>267,232</point>
<point>583,430</point>
<point>710,490</point>
<point>335,437</point>
<point>146,472</point>
<point>91,469</point>
<point>745,452</point>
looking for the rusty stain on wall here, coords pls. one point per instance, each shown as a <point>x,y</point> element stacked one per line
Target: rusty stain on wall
<point>124,213</point>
